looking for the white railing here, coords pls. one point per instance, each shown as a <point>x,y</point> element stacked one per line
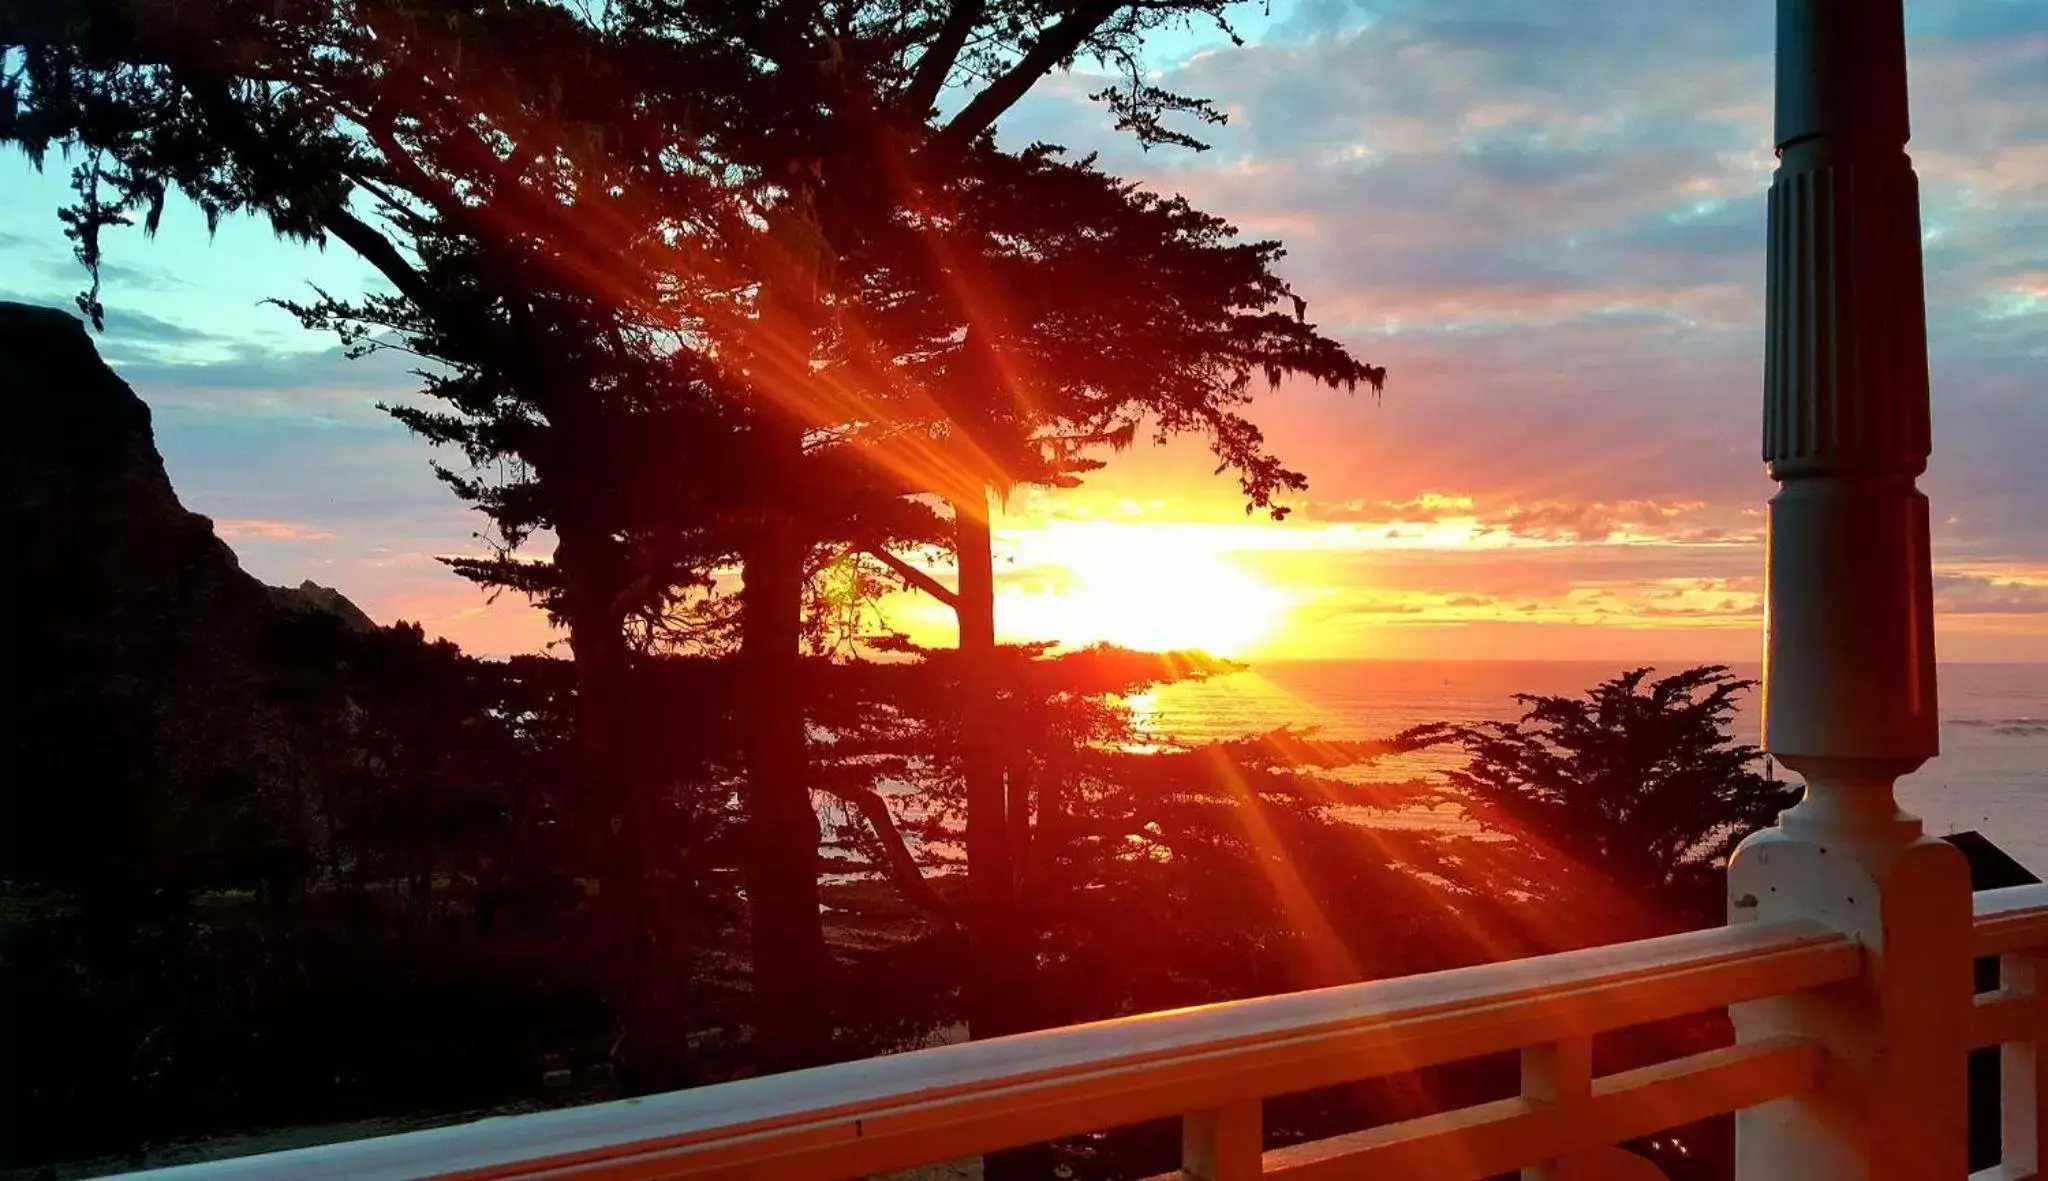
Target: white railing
<point>1213,1066</point>
<point>2012,924</point>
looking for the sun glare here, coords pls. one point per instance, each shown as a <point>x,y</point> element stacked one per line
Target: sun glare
<point>1140,588</point>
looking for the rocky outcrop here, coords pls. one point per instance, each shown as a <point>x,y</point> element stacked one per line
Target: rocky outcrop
<point>143,735</point>
<point>311,598</point>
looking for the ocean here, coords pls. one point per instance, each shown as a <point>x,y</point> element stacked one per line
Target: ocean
<point>1990,776</point>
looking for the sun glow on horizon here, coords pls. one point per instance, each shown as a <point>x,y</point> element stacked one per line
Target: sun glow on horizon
<point>1138,588</point>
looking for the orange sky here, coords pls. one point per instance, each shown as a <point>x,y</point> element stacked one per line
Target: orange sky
<point>1171,561</point>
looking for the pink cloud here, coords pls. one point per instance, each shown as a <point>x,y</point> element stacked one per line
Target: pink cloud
<point>260,529</point>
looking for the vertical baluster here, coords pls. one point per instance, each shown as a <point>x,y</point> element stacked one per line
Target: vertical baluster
<point>1222,1144</point>
<point>2021,1066</point>
<point>1559,1074</point>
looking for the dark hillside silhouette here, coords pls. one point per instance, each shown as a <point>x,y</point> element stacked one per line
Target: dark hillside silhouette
<point>140,741</point>
<point>227,806</point>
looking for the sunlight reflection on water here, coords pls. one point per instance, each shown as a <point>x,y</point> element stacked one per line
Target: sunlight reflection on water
<point>1994,730</point>
<point>1994,725</point>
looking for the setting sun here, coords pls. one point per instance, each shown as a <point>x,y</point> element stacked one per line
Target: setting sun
<point>1139,587</point>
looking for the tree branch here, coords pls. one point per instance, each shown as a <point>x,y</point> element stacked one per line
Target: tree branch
<point>361,179</point>
<point>1060,42</point>
<point>378,251</point>
<point>408,173</point>
<point>937,61</point>
<point>914,577</point>
<point>902,866</point>
<point>217,103</point>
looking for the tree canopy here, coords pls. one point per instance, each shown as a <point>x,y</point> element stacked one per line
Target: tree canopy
<point>1634,789</point>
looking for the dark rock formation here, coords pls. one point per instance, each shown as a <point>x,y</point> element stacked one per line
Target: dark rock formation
<point>140,744</point>
<point>310,597</point>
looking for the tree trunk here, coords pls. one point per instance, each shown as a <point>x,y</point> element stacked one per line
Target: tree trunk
<point>999,967</point>
<point>590,587</point>
<point>991,874</point>
<point>1056,791</point>
<point>787,934</point>
<point>628,841</point>
<point>1023,853</point>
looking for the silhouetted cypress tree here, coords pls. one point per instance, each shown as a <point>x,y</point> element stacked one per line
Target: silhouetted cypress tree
<point>1631,796</point>
<point>567,205</point>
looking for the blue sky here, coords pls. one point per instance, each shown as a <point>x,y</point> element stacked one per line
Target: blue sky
<point>1545,220</point>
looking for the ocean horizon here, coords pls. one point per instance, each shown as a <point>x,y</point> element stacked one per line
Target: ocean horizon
<point>1988,777</point>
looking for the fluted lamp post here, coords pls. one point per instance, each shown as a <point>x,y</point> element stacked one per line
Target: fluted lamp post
<point>1849,676</point>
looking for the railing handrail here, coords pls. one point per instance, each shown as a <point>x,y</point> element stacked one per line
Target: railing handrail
<point>2010,919</point>
<point>885,1113</point>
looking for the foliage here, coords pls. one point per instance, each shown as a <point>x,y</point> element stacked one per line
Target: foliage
<point>1633,795</point>
<point>1154,876</point>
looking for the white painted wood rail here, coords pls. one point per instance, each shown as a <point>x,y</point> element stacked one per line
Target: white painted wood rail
<point>1209,1065</point>
<point>2012,924</point>
<point>1213,1066</point>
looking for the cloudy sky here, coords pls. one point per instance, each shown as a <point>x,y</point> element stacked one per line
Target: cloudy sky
<point>1545,220</point>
